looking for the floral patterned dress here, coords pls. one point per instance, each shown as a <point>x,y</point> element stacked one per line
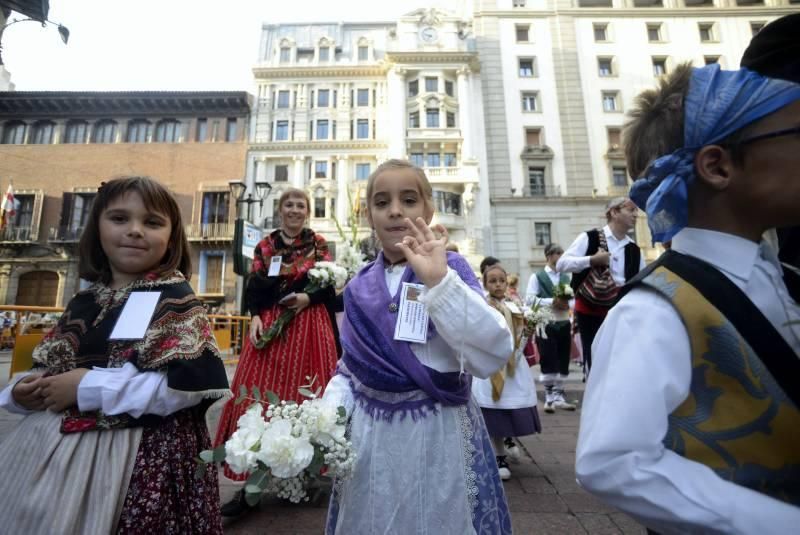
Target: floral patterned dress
<point>307,347</point>
<point>135,474</point>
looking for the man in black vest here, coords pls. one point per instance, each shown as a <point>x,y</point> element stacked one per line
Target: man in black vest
<point>607,249</point>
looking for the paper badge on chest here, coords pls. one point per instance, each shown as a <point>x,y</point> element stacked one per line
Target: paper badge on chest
<point>275,266</point>
<point>412,316</point>
<point>135,317</point>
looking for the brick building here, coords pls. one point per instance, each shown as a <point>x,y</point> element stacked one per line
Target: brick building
<point>56,148</point>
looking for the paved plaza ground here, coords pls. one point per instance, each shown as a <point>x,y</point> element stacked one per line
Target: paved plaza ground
<point>542,493</point>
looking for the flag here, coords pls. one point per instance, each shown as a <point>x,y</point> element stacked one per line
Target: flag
<point>8,207</point>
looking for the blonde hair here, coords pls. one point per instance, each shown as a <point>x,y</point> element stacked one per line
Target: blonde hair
<point>396,164</point>
<point>513,280</point>
<point>294,192</point>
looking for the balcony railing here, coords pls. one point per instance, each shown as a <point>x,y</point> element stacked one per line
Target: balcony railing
<point>65,234</point>
<point>441,171</point>
<point>16,234</point>
<point>210,231</point>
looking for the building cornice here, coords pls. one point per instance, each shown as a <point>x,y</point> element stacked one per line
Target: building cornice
<point>434,57</point>
<point>654,13</point>
<point>600,200</point>
<point>294,146</point>
<point>55,104</point>
<point>320,71</point>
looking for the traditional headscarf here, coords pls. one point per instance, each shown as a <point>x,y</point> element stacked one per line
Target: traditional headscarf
<point>717,104</point>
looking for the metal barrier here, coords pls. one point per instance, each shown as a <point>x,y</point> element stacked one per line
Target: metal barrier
<point>29,324</point>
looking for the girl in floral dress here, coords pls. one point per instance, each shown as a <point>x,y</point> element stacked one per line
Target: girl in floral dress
<point>113,427</point>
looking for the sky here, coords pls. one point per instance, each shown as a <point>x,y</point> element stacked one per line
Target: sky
<point>117,45</point>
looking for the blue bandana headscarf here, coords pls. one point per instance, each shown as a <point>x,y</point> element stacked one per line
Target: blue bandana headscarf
<point>718,104</point>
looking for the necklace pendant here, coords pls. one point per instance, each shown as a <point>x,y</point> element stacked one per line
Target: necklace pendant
<point>392,307</point>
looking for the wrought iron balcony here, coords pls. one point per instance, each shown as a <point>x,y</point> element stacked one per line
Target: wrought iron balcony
<point>210,232</point>
<point>66,234</point>
<point>14,234</point>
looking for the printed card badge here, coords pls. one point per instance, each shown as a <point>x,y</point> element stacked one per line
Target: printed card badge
<point>274,266</point>
<point>412,316</point>
<point>135,316</point>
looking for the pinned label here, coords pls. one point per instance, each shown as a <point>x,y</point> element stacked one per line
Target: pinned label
<point>275,266</point>
<point>135,317</point>
<point>412,317</point>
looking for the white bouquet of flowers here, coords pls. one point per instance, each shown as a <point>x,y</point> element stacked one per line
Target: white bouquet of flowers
<point>537,316</point>
<point>564,291</point>
<point>285,447</point>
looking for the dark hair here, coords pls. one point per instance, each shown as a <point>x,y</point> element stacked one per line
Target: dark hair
<point>93,264</point>
<point>552,248</point>
<point>485,272</point>
<point>488,262</point>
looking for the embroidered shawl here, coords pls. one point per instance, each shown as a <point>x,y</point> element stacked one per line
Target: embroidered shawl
<point>178,342</point>
<point>384,373</point>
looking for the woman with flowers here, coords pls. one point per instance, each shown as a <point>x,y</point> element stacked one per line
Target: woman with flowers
<point>291,334</point>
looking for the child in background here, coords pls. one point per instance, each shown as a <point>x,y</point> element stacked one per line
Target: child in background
<point>512,294</point>
<point>114,426</point>
<point>418,435</point>
<point>507,398</point>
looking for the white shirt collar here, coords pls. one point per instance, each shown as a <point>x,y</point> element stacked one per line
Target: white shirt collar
<point>548,270</point>
<point>610,236</point>
<point>731,254</point>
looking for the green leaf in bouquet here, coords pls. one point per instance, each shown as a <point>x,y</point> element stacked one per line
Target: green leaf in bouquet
<point>242,395</point>
<point>252,489</point>
<point>218,453</point>
<point>207,456</point>
<point>256,393</point>
<point>255,485</point>
<point>317,462</point>
<point>342,412</point>
<point>272,397</point>
<point>306,392</point>
<point>252,498</point>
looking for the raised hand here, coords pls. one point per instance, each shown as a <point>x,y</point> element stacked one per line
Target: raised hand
<point>425,252</point>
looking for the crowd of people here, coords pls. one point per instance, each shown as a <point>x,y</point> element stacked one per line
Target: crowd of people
<point>692,408</point>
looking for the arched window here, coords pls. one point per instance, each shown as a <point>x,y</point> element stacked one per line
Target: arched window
<point>76,132</point>
<point>14,133</point>
<point>105,131</point>
<point>42,133</point>
<point>168,131</point>
<point>138,131</point>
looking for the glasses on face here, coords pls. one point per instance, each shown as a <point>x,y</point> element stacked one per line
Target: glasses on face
<point>770,135</point>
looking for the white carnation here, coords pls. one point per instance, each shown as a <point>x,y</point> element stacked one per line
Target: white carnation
<point>285,454</point>
<point>324,425</point>
<point>241,450</point>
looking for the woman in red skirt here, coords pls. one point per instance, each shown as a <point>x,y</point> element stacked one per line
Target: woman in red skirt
<point>307,347</point>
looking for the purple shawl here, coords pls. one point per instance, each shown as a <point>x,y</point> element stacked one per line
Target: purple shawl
<point>384,373</point>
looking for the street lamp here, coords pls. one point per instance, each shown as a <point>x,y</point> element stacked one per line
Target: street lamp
<point>63,31</point>
<point>238,189</point>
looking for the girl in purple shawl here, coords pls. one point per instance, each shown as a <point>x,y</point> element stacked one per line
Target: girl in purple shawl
<point>424,461</point>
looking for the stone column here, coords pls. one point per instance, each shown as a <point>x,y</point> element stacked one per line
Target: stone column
<point>396,133</point>
<point>298,180</point>
<point>342,186</point>
<point>463,113</point>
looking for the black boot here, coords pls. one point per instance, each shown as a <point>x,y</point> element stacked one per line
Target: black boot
<point>237,506</point>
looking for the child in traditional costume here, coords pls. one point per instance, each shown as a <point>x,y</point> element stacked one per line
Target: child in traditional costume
<point>424,460</point>
<point>115,421</point>
<point>691,418</point>
<point>508,397</point>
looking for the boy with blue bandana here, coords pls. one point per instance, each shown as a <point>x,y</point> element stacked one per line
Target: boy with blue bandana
<point>694,427</point>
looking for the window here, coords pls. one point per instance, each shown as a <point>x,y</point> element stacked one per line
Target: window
<point>600,32</point>
<point>432,117</point>
<point>42,133</point>
<point>323,98</point>
<point>320,169</point>
<point>448,88</point>
<point>708,60</point>
<point>523,33</point>
<point>282,131</point>
<point>105,131</point>
<point>363,97</point>
<point>324,53</point>
<point>201,130</point>
<point>619,176</point>
<point>451,119</point>
<point>610,101</point>
<point>281,173</point>
<point>541,232</point>
<point>413,120</point>
<point>518,3</point>
<point>168,131</point>
<point>362,129</point>
<point>445,202</point>
<point>536,180</point>
<point>449,159</point>
<point>286,54</point>
<point>76,132</point>
<point>211,271</point>
<point>431,84</point>
<point>433,159</point>
<point>526,67</point>
<point>363,53</point>
<point>215,207</point>
<point>319,205</point>
<point>283,99</point>
<point>756,27</point>
<point>614,139</point>
<point>706,30</point>
<point>79,214</point>
<point>322,129</point>
<point>533,137</point>
<point>605,67</point>
<point>138,131</point>
<point>14,133</point>
<point>413,88</point>
<point>659,66</point>
<point>362,171</point>
<point>23,220</point>
<point>417,158</point>
<point>530,101</point>
<point>654,32</point>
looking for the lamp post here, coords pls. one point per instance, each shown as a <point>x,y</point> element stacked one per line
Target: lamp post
<point>245,235</point>
<point>63,31</point>
<point>238,189</point>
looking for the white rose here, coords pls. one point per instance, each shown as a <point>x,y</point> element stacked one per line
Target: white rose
<point>285,454</point>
